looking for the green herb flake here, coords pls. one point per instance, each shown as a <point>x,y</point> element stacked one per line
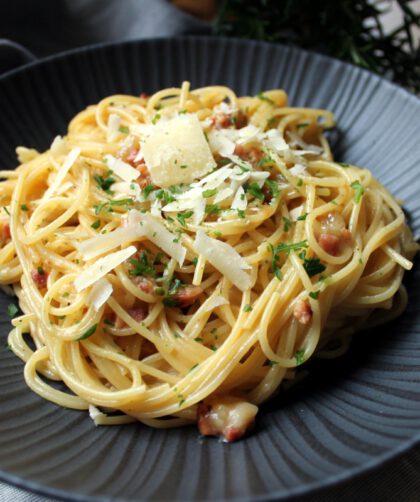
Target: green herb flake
<point>147,190</point>
<point>184,166</point>
<point>241,213</point>
<point>198,339</point>
<point>314,294</point>
<point>210,192</point>
<point>7,211</point>
<point>263,97</point>
<point>96,224</point>
<point>142,266</point>
<point>247,308</point>
<point>176,334</point>
<point>272,187</point>
<point>194,261</point>
<point>287,224</point>
<point>181,217</point>
<point>12,310</point>
<point>313,266</point>
<point>271,363</point>
<point>193,367</point>
<point>109,322</point>
<point>300,182</point>
<point>342,164</point>
<point>359,190</point>
<point>88,333</point>
<point>212,209</point>
<point>104,183</point>
<point>254,190</point>
<point>300,357</point>
<point>156,118</point>
<point>24,207</point>
<point>303,125</point>
<point>302,217</point>
<point>124,130</point>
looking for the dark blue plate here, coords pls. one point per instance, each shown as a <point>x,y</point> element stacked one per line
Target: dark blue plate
<point>351,416</point>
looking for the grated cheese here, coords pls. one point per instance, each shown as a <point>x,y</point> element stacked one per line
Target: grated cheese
<point>176,151</point>
<point>62,173</point>
<point>99,293</point>
<point>114,123</point>
<point>225,259</point>
<point>100,244</point>
<point>101,267</point>
<point>121,169</point>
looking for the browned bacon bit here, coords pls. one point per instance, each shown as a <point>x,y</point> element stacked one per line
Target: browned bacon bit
<point>187,296</point>
<point>229,418</point>
<point>137,313</point>
<point>241,120</point>
<point>131,155</point>
<point>221,120</point>
<point>39,276</point>
<point>253,155</point>
<point>330,243</point>
<point>144,284</point>
<point>143,95</point>
<point>268,197</point>
<point>5,232</point>
<point>303,312</point>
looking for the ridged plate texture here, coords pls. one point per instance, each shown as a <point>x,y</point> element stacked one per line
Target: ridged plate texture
<point>349,416</point>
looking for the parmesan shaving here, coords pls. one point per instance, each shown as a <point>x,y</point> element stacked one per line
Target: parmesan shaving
<point>100,244</point>
<point>225,259</point>
<point>59,146</point>
<point>65,168</point>
<point>121,169</point>
<point>114,123</point>
<point>99,293</point>
<point>101,267</point>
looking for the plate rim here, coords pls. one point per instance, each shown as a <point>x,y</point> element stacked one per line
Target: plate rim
<point>329,481</point>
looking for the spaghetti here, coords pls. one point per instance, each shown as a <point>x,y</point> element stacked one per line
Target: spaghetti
<point>178,256</point>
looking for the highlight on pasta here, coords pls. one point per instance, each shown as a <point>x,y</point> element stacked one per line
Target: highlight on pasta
<point>178,256</point>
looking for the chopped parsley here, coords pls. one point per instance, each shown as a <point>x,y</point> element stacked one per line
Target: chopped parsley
<point>210,192</point>
<point>300,182</point>
<point>241,213</point>
<point>212,209</point>
<point>247,308</point>
<point>124,130</point>
<point>273,188</point>
<point>184,166</point>
<point>7,211</point>
<point>263,97</point>
<point>312,266</point>
<point>271,363</point>
<point>314,294</point>
<point>164,195</point>
<point>176,334</point>
<point>110,203</point>
<point>300,357</point>
<point>181,217</point>
<point>359,190</point>
<point>96,224</point>
<point>198,339</point>
<point>254,190</point>
<point>104,183</point>
<point>142,266</point>
<point>293,246</point>
<point>12,310</point>
<point>88,333</point>
<point>155,118</point>
<point>302,217</point>
<point>303,125</point>
<point>147,190</point>
<point>194,366</point>
<point>342,164</point>
<point>194,260</point>
<point>287,224</point>
<point>109,322</point>
<point>24,207</point>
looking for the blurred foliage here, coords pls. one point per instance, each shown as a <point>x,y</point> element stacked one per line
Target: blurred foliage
<point>350,30</point>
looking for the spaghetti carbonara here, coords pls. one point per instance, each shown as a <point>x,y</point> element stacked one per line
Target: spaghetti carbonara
<point>177,257</point>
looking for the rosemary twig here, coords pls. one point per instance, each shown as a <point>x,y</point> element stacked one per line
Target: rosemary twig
<point>351,30</point>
